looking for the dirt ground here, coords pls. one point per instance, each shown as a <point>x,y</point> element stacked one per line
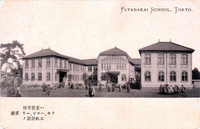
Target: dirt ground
<point>145,92</point>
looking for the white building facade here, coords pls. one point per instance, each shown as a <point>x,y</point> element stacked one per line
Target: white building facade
<point>49,67</point>
<point>166,63</point>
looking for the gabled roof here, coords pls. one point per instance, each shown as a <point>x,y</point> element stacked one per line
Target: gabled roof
<point>44,53</point>
<point>90,61</point>
<point>166,46</point>
<point>113,51</point>
<point>136,61</point>
<point>116,51</point>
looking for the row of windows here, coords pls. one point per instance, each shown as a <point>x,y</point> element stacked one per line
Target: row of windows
<point>48,63</point>
<point>104,77</point>
<point>108,66</point>
<point>113,59</point>
<point>172,58</point>
<point>77,67</point>
<point>184,76</point>
<point>33,78</point>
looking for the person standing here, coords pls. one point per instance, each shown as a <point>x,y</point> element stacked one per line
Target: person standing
<point>128,88</point>
<point>120,88</point>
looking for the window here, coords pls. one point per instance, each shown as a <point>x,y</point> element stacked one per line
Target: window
<point>95,68</point>
<point>70,66</point>
<point>33,64</point>
<point>89,68</point>
<point>48,62</point>
<point>184,76</point>
<point>161,76</point>
<point>123,66</point>
<point>48,76</point>
<point>40,63</point>
<point>56,62</point>
<point>26,64</point>
<point>160,58</point>
<point>147,58</point>
<point>101,66</point>
<point>65,64</point>
<point>26,76</point>
<point>147,76</point>
<point>32,76</point>
<point>184,59</point>
<point>173,59</point>
<point>173,76</point>
<point>60,63</point>
<point>39,76</point>
<point>123,77</point>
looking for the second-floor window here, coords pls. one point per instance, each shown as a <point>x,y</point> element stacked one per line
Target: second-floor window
<point>33,64</point>
<point>172,59</point>
<point>60,63</point>
<point>147,58</point>
<point>160,58</point>
<point>56,62</point>
<point>26,64</point>
<point>70,66</point>
<point>89,68</point>
<point>95,68</point>
<point>65,64</point>
<point>40,63</point>
<point>48,62</point>
<point>184,58</point>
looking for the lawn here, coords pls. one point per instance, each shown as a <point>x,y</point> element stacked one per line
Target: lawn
<point>145,92</point>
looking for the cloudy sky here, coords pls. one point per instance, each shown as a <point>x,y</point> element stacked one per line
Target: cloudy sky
<point>83,29</point>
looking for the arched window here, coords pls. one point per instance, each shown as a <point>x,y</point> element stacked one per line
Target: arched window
<point>147,76</point>
<point>123,77</point>
<point>39,76</point>
<point>184,76</point>
<point>161,76</point>
<point>26,76</point>
<point>173,76</point>
<point>32,76</point>
<point>48,76</point>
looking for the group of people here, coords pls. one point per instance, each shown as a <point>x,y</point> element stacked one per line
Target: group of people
<point>111,87</point>
<point>166,89</point>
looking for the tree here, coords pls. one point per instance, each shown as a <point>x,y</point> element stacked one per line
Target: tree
<point>11,54</point>
<point>195,74</point>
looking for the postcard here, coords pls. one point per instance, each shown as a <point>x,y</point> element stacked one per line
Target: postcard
<point>100,64</point>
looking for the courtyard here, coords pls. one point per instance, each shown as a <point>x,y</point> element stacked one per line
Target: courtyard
<point>151,92</point>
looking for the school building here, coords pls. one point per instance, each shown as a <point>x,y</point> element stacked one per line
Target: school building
<point>50,67</point>
<point>166,63</point>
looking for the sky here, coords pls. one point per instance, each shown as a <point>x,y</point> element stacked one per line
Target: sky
<point>83,29</point>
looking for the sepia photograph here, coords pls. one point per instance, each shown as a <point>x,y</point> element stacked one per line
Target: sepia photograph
<point>72,64</point>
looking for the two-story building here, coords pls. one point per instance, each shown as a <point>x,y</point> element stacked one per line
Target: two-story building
<point>166,63</point>
<point>117,64</point>
<point>50,67</point>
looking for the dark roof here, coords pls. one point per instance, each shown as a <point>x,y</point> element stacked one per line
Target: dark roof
<point>166,46</point>
<point>136,61</point>
<point>75,60</point>
<point>113,51</point>
<point>116,51</point>
<point>44,53</point>
<point>90,61</point>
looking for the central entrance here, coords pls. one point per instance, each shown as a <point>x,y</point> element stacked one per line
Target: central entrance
<point>113,76</point>
<point>62,75</point>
